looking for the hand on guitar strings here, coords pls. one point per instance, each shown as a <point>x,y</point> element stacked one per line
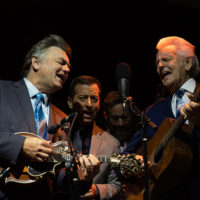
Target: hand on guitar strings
<point>89,167</point>
<point>191,111</point>
<point>37,149</point>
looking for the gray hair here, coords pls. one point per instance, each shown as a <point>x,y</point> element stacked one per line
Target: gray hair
<point>184,49</point>
<point>39,50</point>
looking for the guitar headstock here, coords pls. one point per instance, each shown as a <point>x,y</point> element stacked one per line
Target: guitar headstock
<point>129,165</point>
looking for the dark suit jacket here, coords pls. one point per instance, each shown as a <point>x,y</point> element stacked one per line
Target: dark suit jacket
<point>16,115</point>
<point>157,113</point>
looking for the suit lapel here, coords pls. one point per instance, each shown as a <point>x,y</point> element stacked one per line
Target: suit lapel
<point>52,121</point>
<point>197,89</point>
<point>190,127</point>
<point>55,116</point>
<point>23,96</point>
<point>97,134</point>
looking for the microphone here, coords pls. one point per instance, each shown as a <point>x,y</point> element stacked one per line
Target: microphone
<point>123,74</point>
<point>53,129</point>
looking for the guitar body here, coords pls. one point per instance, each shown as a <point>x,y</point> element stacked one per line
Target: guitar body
<point>168,165</point>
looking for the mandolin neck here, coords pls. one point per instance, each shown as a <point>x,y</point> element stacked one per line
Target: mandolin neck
<point>104,159</point>
<point>69,157</point>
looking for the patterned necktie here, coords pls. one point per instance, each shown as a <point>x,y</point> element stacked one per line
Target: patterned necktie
<point>40,120</point>
<point>81,143</point>
<point>179,101</point>
<point>86,142</point>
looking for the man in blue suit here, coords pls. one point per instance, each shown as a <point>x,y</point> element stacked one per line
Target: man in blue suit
<point>178,69</point>
<point>45,70</point>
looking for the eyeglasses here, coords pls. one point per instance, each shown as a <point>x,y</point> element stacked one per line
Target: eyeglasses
<point>116,118</point>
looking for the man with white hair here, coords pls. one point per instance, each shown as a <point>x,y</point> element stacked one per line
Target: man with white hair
<point>178,69</point>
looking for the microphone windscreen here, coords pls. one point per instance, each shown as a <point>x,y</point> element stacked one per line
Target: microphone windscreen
<point>123,70</point>
<point>53,129</point>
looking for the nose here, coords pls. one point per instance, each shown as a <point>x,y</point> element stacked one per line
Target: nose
<point>159,66</point>
<point>89,102</point>
<point>120,122</point>
<point>159,62</point>
<point>66,68</point>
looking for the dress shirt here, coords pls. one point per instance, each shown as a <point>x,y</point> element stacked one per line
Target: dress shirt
<point>32,90</point>
<point>189,87</point>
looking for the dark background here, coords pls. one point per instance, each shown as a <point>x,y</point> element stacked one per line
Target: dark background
<point>101,34</point>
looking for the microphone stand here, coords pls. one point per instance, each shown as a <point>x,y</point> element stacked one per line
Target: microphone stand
<point>145,121</point>
<point>72,165</point>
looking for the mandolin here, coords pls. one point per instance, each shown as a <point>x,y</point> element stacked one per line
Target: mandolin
<point>30,173</point>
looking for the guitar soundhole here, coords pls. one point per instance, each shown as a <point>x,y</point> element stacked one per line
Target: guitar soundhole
<point>158,154</point>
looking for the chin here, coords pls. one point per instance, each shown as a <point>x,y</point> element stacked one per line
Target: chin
<point>59,86</point>
<point>87,121</point>
<point>166,83</point>
<point>59,83</point>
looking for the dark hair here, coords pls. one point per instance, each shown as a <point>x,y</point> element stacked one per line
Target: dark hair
<point>112,98</point>
<point>39,49</point>
<point>85,80</point>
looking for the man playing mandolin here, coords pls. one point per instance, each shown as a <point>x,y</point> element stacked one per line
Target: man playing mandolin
<point>174,150</point>
<point>25,114</point>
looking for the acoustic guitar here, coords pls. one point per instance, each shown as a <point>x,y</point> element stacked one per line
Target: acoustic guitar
<point>170,159</point>
<point>31,172</point>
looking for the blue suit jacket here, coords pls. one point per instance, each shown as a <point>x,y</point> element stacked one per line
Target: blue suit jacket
<point>16,115</point>
<point>157,113</point>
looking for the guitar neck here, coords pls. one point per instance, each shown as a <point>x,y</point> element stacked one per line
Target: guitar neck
<point>61,155</point>
<point>104,159</point>
<point>69,157</point>
<point>175,127</point>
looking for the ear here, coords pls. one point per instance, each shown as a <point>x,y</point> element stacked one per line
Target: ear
<point>35,63</point>
<point>188,63</point>
<point>105,115</point>
<point>69,102</point>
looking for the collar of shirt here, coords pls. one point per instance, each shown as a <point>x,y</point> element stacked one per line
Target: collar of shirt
<point>33,91</point>
<point>123,146</point>
<point>189,87</point>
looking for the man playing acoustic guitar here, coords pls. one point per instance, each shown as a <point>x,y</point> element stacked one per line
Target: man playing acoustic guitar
<point>174,150</point>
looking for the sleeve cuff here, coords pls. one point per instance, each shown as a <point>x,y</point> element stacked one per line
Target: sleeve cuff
<point>97,197</point>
